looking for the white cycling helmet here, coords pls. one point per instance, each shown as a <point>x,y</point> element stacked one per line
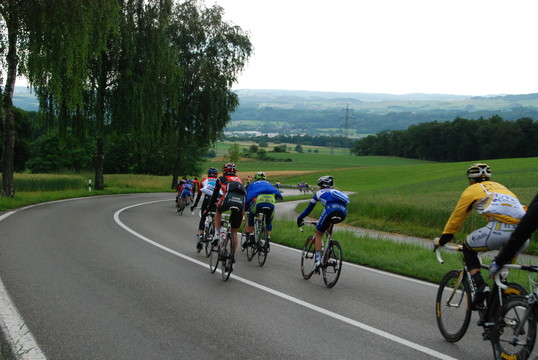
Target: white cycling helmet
<point>326,181</point>
<point>479,171</point>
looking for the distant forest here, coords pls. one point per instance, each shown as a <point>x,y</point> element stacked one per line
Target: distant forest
<point>457,140</point>
<point>328,141</point>
<point>310,121</point>
<point>316,113</point>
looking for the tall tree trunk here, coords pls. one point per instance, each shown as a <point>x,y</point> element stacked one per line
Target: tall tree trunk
<point>177,162</point>
<point>100,118</point>
<point>8,154</point>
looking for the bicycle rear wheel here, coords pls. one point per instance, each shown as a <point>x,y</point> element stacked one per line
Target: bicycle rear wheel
<point>244,237</point>
<point>213,257</point>
<point>209,233</point>
<point>332,266</point>
<point>514,334</point>
<point>308,258</point>
<point>513,290</point>
<point>251,251</point>
<point>453,305</point>
<point>228,256</point>
<point>262,244</point>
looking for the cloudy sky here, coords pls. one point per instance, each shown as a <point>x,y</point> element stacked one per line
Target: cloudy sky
<point>468,47</point>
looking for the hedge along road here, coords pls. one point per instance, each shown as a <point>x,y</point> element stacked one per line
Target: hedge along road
<point>118,277</point>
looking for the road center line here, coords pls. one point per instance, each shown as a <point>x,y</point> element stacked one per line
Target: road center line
<point>282,295</point>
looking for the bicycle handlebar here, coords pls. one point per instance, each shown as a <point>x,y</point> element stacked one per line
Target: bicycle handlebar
<point>530,268</point>
<point>449,247</point>
<point>308,222</point>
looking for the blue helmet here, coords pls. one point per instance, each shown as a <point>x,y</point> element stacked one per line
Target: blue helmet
<point>212,172</point>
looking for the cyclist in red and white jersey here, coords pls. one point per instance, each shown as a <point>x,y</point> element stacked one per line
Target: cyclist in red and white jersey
<point>206,189</point>
<point>232,198</point>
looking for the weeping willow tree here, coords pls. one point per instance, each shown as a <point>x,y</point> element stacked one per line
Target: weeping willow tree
<point>147,82</point>
<point>211,53</point>
<point>14,14</point>
<point>68,65</point>
<point>156,72</point>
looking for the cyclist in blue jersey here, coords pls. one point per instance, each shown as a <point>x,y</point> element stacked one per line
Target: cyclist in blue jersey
<point>335,203</point>
<point>260,193</point>
<point>185,193</point>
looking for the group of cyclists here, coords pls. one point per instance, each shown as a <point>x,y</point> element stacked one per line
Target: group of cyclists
<point>185,191</point>
<point>228,193</point>
<point>509,223</point>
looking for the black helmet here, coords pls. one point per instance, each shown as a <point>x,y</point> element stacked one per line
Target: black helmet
<point>479,172</point>
<point>326,181</point>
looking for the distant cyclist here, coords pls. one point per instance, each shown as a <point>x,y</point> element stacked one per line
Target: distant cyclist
<point>335,211</point>
<point>179,188</point>
<point>260,194</point>
<point>185,193</point>
<point>498,205</point>
<point>207,187</point>
<point>519,238</point>
<point>231,198</point>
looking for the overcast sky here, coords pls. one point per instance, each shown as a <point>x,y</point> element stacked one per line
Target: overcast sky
<point>467,47</point>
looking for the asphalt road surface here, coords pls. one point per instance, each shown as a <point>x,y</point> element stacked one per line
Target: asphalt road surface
<point>118,277</point>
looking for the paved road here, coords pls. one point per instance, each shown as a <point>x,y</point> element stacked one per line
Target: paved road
<point>117,277</point>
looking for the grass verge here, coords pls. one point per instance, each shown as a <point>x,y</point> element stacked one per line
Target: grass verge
<point>410,260</point>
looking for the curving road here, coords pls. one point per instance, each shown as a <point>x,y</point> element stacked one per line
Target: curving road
<point>118,277</point>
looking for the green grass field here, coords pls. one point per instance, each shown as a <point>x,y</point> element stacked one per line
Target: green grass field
<point>390,194</point>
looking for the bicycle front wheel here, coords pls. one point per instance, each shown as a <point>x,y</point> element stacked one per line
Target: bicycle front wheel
<point>308,258</point>
<point>228,256</point>
<point>263,245</point>
<point>514,333</point>
<point>453,305</point>
<point>332,266</point>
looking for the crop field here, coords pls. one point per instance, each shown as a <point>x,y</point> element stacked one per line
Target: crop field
<point>222,148</point>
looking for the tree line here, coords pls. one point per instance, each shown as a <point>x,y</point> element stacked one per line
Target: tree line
<point>308,120</point>
<point>143,83</point>
<point>457,140</point>
<point>328,141</point>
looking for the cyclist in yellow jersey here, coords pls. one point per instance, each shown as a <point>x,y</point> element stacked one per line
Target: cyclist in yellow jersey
<point>498,205</point>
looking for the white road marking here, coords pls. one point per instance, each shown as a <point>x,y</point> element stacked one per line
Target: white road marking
<point>282,295</point>
<point>22,342</point>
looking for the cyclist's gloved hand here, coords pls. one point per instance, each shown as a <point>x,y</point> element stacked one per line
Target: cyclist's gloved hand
<point>299,221</point>
<point>442,241</point>
<point>493,268</point>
